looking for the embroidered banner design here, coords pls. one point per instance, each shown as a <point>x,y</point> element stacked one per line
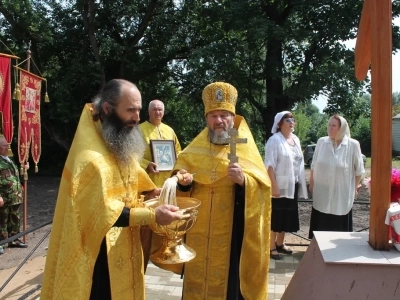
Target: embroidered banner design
<point>29,131</point>
<point>5,97</point>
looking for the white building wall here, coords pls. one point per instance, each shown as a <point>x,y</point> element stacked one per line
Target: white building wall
<point>396,134</point>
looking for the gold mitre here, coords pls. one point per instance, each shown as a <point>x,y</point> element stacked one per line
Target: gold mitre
<point>219,96</point>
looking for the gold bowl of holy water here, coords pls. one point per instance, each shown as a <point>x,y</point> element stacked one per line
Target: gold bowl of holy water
<point>173,250</point>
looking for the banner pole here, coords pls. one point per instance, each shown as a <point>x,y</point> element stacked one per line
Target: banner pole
<point>25,222</point>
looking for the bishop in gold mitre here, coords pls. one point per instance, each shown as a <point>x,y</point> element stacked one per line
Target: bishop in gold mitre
<point>231,236</point>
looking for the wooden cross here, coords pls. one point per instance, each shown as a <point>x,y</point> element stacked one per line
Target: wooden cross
<point>233,140</point>
<point>374,47</point>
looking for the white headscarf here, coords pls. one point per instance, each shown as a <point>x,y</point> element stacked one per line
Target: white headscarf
<point>277,119</point>
<point>344,129</point>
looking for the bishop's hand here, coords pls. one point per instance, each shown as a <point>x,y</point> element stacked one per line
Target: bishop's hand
<point>183,177</point>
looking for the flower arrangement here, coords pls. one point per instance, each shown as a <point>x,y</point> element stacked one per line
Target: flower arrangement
<point>395,184</point>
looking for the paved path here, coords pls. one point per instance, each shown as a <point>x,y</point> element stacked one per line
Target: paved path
<point>163,285</point>
<point>160,284</point>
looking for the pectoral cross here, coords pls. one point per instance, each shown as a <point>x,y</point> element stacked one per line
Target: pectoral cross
<point>233,140</point>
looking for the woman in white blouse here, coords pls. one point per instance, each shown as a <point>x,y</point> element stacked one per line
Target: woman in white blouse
<point>336,171</point>
<point>285,166</point>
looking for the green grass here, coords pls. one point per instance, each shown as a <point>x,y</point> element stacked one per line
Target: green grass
<point>395,163</point>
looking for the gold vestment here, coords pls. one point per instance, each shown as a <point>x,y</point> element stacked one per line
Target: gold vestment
<point>206,276</point>
<point>161,132</point>
<point>92,195</point>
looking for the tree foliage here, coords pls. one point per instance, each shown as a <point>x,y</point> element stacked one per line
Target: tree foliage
<point>277,53</point>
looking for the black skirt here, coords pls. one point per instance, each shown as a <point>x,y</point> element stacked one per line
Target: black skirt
<point>285,214</point>
<point>328,222</point>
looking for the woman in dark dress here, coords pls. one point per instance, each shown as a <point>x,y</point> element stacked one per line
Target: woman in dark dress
<point>285,165</point>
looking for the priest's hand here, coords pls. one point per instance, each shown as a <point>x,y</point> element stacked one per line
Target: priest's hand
<point>166,214</point>
<point>152,168</point>
<point>152,194</point>
<point>1,202</point>
<point>235,172</point>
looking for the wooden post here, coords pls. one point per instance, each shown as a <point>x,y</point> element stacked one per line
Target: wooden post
<point>381,62</point>
<point>374,45</point>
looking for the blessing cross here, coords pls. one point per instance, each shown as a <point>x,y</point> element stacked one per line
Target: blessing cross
<point>233,140</point>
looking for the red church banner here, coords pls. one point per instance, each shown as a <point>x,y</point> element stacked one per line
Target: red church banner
<point>29,132</point>
<point>5,97</point>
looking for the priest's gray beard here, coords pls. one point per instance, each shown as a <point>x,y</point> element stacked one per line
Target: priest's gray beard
<point>218,139</point>
<point>124,141</point>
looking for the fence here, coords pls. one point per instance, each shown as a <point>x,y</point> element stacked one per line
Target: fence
<point>14,237</point>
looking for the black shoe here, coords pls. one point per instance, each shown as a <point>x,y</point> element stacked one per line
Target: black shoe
<point>17,244</point>
<point>275,256</point>
<point>283,249</point>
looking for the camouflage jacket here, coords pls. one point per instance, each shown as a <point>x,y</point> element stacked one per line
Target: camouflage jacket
<point>10,184</point>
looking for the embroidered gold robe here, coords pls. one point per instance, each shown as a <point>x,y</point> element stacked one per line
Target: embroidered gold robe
<point>206,276</point>
<point>161,132</point>
<point>92,194</point>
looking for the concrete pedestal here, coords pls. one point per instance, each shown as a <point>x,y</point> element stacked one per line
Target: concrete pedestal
<point>343,266</point>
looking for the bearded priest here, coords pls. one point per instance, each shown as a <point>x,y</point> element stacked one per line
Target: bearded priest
<point>231,236</point>
<point>95,247</point>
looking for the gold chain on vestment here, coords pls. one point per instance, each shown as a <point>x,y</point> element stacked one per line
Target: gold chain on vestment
<point>125,177</point>
<point>213,176</point>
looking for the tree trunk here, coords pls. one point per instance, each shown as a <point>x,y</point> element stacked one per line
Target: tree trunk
<point>276,99</point>
<point>88,15</point>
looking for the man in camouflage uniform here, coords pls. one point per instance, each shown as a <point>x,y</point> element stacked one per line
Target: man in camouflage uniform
<point>10,198</point>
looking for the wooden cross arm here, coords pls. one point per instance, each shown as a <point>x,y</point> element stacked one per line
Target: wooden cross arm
<point>363,43</point>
